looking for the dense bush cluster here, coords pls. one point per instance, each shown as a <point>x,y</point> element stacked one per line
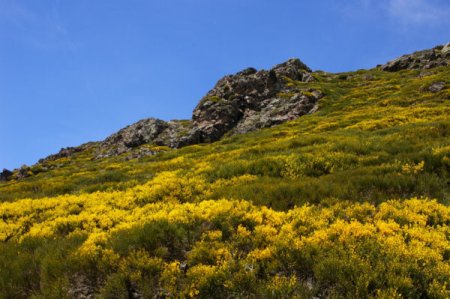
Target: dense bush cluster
<point>131,243</point>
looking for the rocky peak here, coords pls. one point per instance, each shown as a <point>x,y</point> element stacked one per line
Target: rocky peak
<point>426,59</point>
<point>239,103</point>
<point>293,68</point>
<point>247,96</point>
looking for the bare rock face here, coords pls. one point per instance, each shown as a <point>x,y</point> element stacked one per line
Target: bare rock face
<point>64,153</point>
<point>138,133</point>
<point>240,103</point>
<point>174,134</point>
<point>178,133</point>
<point>253,99</point>
<point>274,111</point>
<point>427,59</point>
<point>141,132</point>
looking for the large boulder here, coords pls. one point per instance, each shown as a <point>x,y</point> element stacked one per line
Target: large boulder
<point>253,99</point>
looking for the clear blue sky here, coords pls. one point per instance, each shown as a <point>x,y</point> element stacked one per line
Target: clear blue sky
<point>77,71</point>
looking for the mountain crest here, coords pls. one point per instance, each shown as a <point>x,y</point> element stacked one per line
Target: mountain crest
<point>246,101</point>
<point>239,103</point>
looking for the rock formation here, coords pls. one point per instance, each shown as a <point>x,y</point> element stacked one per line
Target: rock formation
<point>426,59</point>
<point>64,153</point>
<point>252,99</point>
<point>174,134</point>
<point>240,103</point>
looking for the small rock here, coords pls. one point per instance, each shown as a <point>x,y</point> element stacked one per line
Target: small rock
<point>436,86</point>
<point>367,77</point>
<point>308,78</point>
<point>424,74</point>
<point>141,153</point>
<point>446,49</point>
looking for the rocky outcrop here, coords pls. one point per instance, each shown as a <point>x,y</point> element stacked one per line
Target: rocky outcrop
<point>427,59</point>
<point>253,99</point>
<point>174,134</point>
<point>240,103</point>
<point>178,133</point>
<point>64,153</point>
<point>141,132</point>
<point>274,111</point>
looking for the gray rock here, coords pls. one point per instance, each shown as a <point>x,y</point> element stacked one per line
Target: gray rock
<point>275,111</point>
<point>177,134</point>
<point>426,59</point>
<point>141,153</point>
<point>446,49</point>
<point>239,103</point>
<point>251,100</point>
<point>173,134</point>
<point>64,153</point>
<point>141,132</point>
<point>138,133</point>
<point>81,287</point>
<point>436,86</point>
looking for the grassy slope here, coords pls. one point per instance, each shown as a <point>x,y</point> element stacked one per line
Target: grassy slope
<point>354,148</point>
<point>377,136</point>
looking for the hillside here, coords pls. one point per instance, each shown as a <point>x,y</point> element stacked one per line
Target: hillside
<point>285,183</point>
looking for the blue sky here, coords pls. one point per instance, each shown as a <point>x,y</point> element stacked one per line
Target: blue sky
<point>77,71</point>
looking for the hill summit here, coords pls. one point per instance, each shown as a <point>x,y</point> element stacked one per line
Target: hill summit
<point>240,103</point>
<point>246,101</point>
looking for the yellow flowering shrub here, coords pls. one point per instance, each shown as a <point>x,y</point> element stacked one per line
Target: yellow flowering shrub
<point>198,248</point>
